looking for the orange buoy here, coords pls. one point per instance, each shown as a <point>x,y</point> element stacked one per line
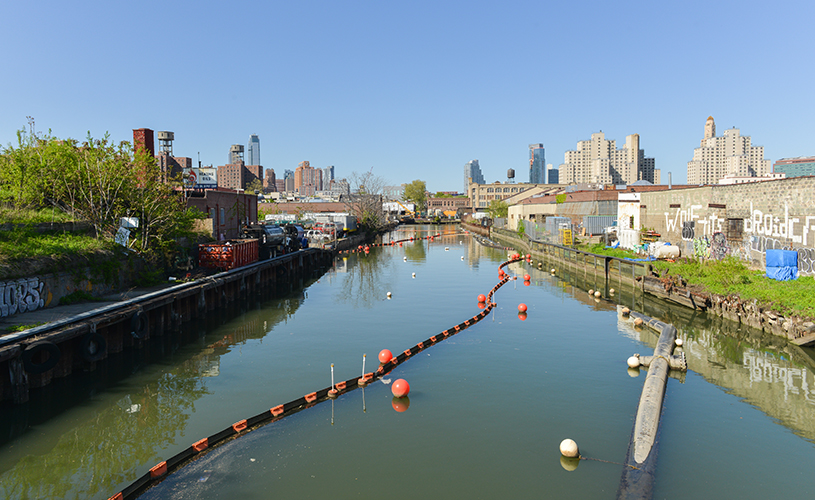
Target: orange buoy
<point>527,282</point>
<point>482,305</point>
<point>527,277</point>
<point>482,298</point>
<point>400,388</point>
<point>385,355</point>
<point>522,316</point>
<point>522,307</point>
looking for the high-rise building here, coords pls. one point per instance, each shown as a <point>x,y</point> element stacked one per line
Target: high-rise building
<point>552,175</point>
<point>288,180</point>
<point>235,154</point>
<point>253,157</point>
<point>795,167</point>
<point>599,161</point>
<point>537,164</point>
<point>270,182</point>
<point>472,173</point>
<point>728,155</point>
<point>328,176</point>
<point>307,179</point>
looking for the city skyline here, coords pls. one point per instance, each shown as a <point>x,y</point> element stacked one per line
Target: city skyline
<point>371,94</point>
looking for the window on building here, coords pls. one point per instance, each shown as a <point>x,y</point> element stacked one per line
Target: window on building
<point>223,217</point>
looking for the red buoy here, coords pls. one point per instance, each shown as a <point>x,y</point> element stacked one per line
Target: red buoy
<point>522,307</point>
<point>482,305</point>
<point>400,388</point>
<point>528,256</point>
<point>527,277</point>
<point>385,355</point>
<point>527,283</point>
<point>522,316</point>
<point>482,298</point>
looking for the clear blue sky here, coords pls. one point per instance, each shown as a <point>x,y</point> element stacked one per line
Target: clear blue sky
<point>413,89</point>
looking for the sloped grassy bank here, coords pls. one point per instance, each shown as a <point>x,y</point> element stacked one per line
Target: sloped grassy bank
<point>735,292</point>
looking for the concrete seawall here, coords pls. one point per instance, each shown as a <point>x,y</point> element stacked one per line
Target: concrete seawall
<point>35,357</point>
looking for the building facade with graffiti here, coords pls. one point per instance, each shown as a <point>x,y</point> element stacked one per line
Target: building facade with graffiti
<point>742,220</point>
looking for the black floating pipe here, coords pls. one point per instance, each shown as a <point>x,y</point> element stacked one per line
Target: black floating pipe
<point>637,481</point>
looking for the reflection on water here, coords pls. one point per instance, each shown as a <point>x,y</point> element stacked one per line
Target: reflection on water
<point>89,438</point>
<point>103,442</point>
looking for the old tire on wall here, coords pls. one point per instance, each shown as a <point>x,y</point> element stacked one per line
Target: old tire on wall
<point>93,347</point>
<point>40,357</point>
<point>138,325</point>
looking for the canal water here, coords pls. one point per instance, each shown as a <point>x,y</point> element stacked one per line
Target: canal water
<point>487,410</point>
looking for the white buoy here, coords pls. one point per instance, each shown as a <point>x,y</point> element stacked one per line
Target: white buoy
<point>591,291</point>
<point>568,448</point>
<point>414,275</point>
<point>462,257</point>
<point>553,270</point>
<point>446,249</point>
<point>633,362</point>
<point>611,291</point>
<point>626,311</point>
<point>597,294</point>
<point>389,294</point>
<point>404,258</point>
<point>638,322</point>
<point>679,342</point>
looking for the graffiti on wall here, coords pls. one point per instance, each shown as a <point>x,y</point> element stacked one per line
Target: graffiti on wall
<point>692,224</point>
<point>21,296</point>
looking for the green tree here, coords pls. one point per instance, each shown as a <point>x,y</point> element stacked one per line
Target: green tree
<point>255,187</point>
<point>498,209</point>
<point>365,200</point>
<point>416,192</point>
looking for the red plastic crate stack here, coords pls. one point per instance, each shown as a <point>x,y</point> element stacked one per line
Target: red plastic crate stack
<point>229,254</point>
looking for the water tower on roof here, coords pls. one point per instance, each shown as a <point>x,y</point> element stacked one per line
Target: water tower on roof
<point>235,154</point>
<point>511,176</point>
<point>165,142</point>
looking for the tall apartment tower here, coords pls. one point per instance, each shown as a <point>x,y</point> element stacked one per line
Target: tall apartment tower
<point>728,155</point>
<point>328,176</point>
<point>537,164</point>
<point>253,150</point>
<point>599,161</point>
<point>288,180</point>
<point>307,179</point>
<point>472,173</point>
<point>235,154</point>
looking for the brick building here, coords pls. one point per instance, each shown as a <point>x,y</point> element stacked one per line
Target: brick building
<point>227,209</point>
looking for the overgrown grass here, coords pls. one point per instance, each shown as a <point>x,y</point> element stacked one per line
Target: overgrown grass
<point>732,276</point>
<point>600,249</point>
<point>30,216</point>
<point>20,328</point>
<point>25,243</point>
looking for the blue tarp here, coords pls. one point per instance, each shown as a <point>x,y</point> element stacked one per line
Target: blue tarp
<point>782,265</point>
<point>782,258</point>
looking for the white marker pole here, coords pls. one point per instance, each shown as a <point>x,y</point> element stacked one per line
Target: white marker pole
<point>332,376</point>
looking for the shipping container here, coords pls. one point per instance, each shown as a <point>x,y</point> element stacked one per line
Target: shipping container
<point>595,224</point>
<point>228,255</point>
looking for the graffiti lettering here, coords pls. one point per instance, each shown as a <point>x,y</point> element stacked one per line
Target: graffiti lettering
<point>21,296</point>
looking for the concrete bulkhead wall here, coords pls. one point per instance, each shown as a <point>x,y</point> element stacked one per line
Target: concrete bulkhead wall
<point>18,296</point>
<point>742,220</point>
<point>79,342</point>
